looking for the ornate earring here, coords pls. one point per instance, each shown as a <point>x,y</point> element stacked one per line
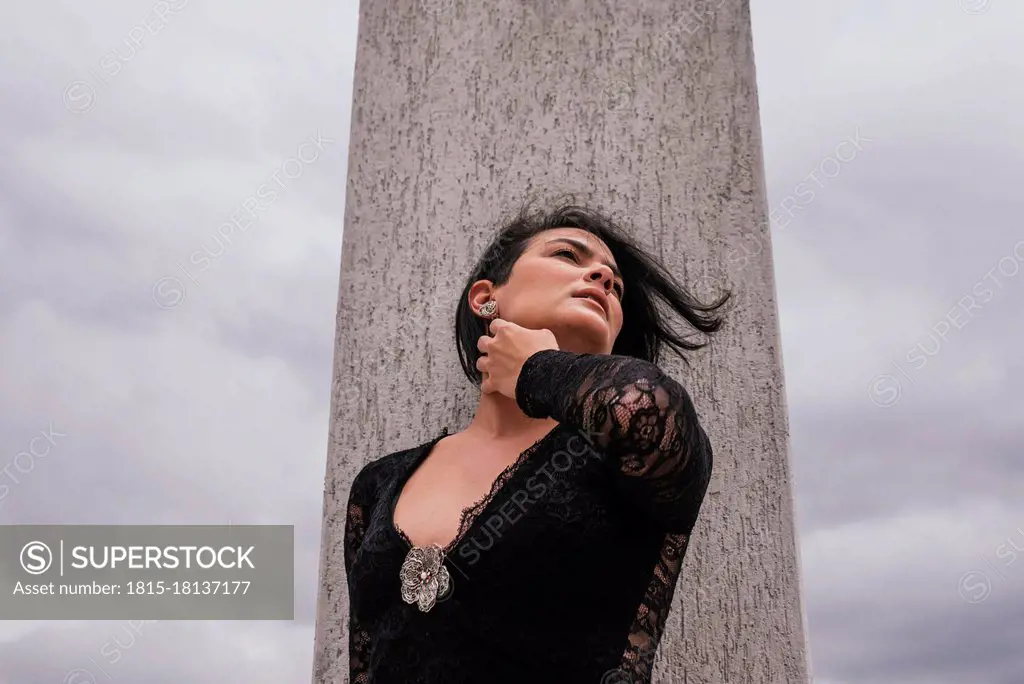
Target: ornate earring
<point>489,309</point>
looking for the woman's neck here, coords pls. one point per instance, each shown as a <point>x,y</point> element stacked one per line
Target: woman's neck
<point>498,417</point>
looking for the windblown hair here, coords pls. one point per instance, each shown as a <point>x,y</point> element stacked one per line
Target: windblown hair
<point>644,329</point>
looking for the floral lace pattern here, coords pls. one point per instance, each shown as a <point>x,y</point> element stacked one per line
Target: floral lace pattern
<point>578,543</point>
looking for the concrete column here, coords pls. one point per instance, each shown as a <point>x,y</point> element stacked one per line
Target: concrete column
<point>647,109</point>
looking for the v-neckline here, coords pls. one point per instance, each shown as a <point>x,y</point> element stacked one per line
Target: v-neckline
<point>465,523</point>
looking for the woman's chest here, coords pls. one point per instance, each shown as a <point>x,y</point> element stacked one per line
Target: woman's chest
<point>557,509</point>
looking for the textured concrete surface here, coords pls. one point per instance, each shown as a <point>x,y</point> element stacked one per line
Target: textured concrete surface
<point>647,109</point>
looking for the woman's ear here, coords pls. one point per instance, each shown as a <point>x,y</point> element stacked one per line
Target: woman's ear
<point>481,292</point>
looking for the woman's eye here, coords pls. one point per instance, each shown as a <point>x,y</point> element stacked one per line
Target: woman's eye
<point>567,251</point>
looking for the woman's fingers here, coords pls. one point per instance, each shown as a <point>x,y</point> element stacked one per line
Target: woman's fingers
<point>482,364</point>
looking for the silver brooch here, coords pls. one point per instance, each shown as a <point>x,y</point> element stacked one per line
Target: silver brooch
<point>425,579</point>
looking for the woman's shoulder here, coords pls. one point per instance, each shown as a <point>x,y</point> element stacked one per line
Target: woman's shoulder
<point>379,471</point>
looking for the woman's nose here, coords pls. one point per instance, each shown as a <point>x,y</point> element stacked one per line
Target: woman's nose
<point>604,274</point>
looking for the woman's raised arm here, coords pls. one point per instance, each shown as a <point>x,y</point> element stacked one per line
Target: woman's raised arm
<point>636,414</point>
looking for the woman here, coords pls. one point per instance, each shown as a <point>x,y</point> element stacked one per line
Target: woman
<point>544,541</point>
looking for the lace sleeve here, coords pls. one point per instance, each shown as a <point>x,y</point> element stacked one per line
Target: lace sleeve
<point>635,413</point>
<point>360,501</point>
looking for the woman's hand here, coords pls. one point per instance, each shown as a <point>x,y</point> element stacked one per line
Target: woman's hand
<point>505,351</point>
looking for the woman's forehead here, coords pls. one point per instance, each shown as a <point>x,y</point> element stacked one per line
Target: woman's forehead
<point>578,235</point>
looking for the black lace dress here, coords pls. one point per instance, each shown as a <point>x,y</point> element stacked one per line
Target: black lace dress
<point>565,571</point>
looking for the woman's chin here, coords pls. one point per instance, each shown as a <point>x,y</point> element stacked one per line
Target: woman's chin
<point>589,331</point>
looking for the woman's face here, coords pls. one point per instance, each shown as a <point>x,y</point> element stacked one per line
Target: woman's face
<point>547,289</point>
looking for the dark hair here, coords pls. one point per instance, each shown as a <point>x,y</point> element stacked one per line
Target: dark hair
<point>644,330</point>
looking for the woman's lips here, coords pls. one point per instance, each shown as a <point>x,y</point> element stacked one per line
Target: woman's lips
<point>594,304</point>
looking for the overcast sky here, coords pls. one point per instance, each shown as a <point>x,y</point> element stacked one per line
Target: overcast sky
<point>904,397</point>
